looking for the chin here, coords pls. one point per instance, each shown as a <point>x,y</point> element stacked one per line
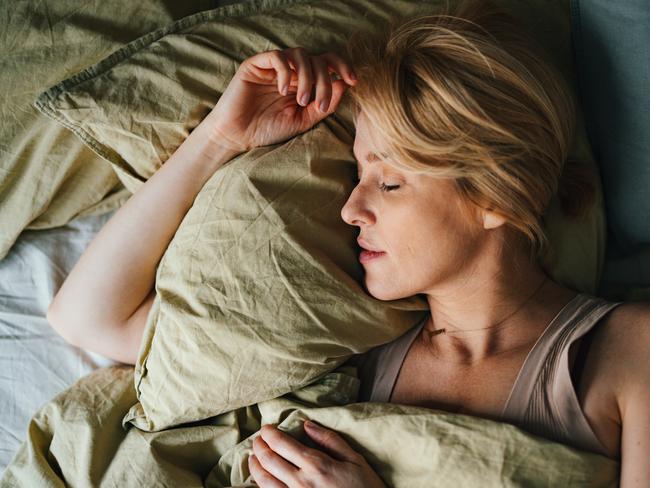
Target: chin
<point>382,293</point>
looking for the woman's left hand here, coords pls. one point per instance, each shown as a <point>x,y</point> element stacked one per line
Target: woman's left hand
<point>281,461</point>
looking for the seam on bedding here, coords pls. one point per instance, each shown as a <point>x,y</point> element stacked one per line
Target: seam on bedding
<point>100,149</point>
<point>45,101</point>
<point>228,11</point>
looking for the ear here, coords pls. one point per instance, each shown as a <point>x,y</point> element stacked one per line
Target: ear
<point>492,220</point>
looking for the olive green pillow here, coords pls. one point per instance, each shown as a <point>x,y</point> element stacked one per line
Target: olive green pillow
<point>47,176</point>
<point>260,291</point>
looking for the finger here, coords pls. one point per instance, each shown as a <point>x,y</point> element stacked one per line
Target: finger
<point>273,60</point>
<point>332,441</point>
<point>323,83</point>
<point>311,115</point>
<point>301,63</point>
<point>273,462</point>
<point>341,67</point>
<point>281,66</point>
<point>261,476</point>
<point>289,448</point>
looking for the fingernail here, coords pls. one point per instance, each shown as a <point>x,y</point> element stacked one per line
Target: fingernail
<point>323,106</point>
<point>352,75</point>
<point>311,425</point>
<point>285,89</point>
<point>305,99</point>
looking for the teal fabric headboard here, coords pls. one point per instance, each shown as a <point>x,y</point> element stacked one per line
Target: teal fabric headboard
<point>610,42</point>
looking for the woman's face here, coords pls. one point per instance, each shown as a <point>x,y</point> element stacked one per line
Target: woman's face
<point>427,236</point>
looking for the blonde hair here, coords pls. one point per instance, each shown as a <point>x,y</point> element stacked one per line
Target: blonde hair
<point>470,97</point>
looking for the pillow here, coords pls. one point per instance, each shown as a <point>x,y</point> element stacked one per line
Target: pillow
<point>609,41</point>
<point>47,175</point>
<point>259,291</point>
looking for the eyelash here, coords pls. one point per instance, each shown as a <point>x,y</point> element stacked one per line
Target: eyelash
<point>385,187</point>
<point>382,187</point>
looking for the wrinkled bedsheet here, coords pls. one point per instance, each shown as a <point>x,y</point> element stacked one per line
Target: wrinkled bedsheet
<point>48,177</point>
<point>35,362</point>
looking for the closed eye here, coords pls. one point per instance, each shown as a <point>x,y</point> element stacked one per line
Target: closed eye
<point>385,187</point>
<point>382,187</point>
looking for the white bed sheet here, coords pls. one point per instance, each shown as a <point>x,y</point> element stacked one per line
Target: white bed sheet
<point>35,362</point>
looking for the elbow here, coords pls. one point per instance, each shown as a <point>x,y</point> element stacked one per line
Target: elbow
<point>61,324</point>
<point>107,341</point>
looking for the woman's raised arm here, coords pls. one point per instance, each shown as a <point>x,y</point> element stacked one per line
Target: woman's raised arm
<point>104,302</point>
<point>113,280</point>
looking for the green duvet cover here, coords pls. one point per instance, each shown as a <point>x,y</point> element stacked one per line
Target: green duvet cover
<point>79,437</point>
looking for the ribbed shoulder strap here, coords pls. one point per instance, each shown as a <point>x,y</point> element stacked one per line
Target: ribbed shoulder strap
<point>382,364</point>
<point>543,397</point>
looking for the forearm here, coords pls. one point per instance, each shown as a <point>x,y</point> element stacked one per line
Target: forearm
<point>117,270</point>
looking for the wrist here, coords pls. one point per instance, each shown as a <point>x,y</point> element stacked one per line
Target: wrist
<point>218,129</point>
<point>210,151</point>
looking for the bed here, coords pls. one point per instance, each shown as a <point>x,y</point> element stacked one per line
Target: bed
<point>36,362</point>
<point>46,227</point>
<point>42,236</point>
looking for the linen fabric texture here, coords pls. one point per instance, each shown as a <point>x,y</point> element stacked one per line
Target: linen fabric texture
<point>47,175</point>
<point>260,291</point>
<point>76,439</point>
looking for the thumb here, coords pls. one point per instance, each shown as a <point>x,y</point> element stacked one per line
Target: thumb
<point>331,441</point>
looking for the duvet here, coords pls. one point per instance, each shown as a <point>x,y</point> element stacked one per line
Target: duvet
<point>78,439</point>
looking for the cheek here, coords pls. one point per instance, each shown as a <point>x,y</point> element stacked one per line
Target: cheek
<point>435,225</point>
<point>427,244</point>
<point>435,240</point>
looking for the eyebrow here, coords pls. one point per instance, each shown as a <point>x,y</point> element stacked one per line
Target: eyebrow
<point>371,157</point>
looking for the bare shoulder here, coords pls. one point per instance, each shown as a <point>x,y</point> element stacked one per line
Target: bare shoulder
<point>625,341</point>
<point>622,342</point>
<point>628,325</point>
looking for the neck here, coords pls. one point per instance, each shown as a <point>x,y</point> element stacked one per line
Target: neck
<point>499,306</point>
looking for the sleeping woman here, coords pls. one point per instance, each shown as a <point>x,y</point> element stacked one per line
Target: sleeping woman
<point>462,136</point>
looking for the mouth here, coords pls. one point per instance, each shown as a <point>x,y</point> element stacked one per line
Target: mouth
<point>368,252</point>
<point>366,255</point>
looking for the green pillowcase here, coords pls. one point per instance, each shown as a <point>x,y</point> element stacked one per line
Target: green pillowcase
<point>260,291</point>
<point>47,175</point>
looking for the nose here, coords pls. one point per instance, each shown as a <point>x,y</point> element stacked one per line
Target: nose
<point>356,211</point>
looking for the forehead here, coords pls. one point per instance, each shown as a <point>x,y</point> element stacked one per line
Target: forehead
<point>364,149</point>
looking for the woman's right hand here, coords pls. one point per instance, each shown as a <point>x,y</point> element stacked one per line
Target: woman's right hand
<point>261,105</point>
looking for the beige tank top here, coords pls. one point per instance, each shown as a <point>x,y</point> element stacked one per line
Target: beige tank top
<point>542,400</point>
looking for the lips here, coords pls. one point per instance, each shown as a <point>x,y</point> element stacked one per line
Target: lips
<point>366,256</point>
<point>367,246</point>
